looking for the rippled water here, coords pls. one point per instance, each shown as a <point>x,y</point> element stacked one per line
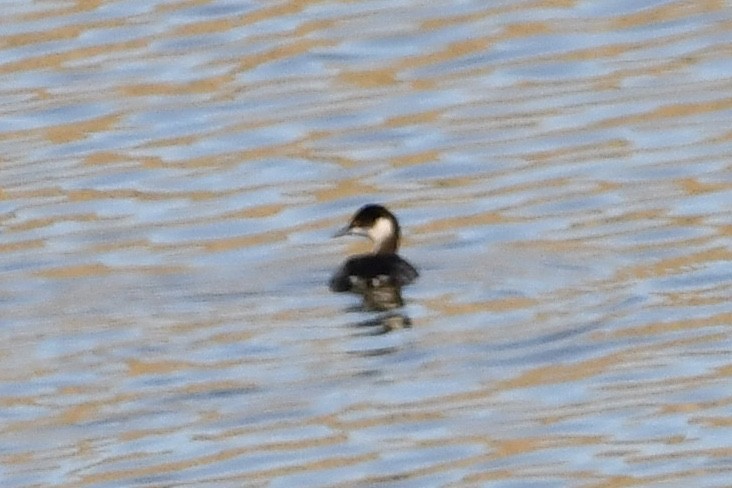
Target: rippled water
<point>171,173</point>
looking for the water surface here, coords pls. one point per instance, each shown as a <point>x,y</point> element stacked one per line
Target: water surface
<point>170,176</point>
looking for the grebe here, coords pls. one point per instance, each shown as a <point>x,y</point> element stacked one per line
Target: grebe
<point>382,267</point>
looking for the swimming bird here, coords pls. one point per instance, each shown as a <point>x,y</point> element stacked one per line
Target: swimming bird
<point>383,268</point>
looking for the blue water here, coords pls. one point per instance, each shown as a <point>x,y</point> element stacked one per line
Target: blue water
<point>172,173</point>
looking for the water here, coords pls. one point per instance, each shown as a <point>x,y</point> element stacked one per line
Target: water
<point>170,177</point>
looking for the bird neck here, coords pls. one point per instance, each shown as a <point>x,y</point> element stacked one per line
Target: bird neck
<point>385,234</point>
<point>388,245</point>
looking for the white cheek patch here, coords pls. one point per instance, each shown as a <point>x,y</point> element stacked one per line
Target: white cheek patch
<point>382,229</point>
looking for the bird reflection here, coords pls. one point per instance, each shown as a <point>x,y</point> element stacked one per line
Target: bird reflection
<point>383,299</point>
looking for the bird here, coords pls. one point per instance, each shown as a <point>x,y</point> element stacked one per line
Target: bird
<point>382,268</point>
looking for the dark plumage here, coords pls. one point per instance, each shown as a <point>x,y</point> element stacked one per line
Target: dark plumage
<point>373,270</point>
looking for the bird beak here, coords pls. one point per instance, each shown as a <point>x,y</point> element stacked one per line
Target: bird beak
<point>343,232</point>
